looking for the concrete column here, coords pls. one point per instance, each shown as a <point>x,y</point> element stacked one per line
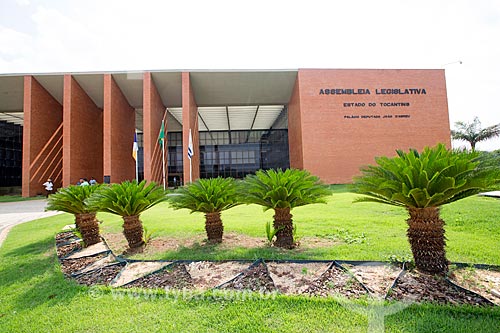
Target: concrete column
<point>189,122</point>
<point>42,138</point>
<point>153,113</point>
<point>295,128</point>
<point>83,135</point>
<point>119,127</point>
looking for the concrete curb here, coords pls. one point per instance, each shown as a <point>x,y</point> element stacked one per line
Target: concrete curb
<point>11,219</point>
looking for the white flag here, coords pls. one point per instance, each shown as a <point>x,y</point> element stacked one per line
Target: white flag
<point>190,146</point>
<point>135,147</point>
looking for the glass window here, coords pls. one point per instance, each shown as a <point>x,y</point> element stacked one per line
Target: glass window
<point>248,152</point>
<point>11,142</point>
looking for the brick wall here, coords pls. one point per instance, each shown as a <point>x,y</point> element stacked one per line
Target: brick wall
<point>119,127</point>
<point>337,139</point>
<point>83,135</point>
<point>189,121</point>
<point>154,110</point>
<point>42,138</point>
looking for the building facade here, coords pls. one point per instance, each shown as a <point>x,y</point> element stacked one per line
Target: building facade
<point>328,121</point>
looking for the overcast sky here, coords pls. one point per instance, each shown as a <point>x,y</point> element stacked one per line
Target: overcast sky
<point>66,36</point>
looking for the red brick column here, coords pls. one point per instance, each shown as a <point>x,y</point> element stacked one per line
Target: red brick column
<point>295,129</point>
<point>119,127</point>
<point>42,138</point>
<point>189,122</point>
<point>153,113</point>
<point>83,135</point>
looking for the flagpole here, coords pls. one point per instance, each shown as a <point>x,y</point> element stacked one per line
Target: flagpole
<point>190,154</point>
<point>137,171</point>
<point>135,153</point>
<point>162,138</point>
<point>163,162</point>
<point>137,162</point>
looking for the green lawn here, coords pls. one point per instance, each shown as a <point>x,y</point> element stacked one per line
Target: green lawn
<point>369,231</point>
<point>35,297</point>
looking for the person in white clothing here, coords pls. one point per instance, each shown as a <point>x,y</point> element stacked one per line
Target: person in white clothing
<point>49,187</point>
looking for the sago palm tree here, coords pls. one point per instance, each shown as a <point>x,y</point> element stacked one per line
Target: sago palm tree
<point>72,199</point>
<point>129,200</point>
<point>209,196</point>
<point>422,182</point>
<point>282,191</point>
<point>473,133</point>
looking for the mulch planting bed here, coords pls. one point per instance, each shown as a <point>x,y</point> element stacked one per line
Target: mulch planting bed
<point>89,251</point>
<point>102,275</point>
<point>172,277</point>
<point>352,280</point>
<point>377,278</point>
<point>64,250</point>
<point>70,266</point>
<point>295,278</point>
<point>136,270</point>
<point>482,281</point>
<point>107,260</point>
<point>255,278</point>
<point>418,287</point>
<point>208,275</point>
<point>65,237</point>
<point>336,282</point>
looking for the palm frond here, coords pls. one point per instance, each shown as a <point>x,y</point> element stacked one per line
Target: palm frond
<point>473,133</point>
<point>128,198</point>
<point>283,189</point>
<point>434,177</point>
<point>72,199</point>
<point>206,195</point>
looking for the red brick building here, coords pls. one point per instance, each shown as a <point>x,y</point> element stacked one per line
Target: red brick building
<point>328,121</point>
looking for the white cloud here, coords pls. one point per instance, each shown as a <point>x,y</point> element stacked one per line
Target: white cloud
<point>23,2</point>
<point>14,43</point>
<point>126,35</point>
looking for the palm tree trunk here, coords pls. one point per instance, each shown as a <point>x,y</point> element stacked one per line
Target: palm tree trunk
<point>78,221</point>
<point>132,229</point>
<point>427,240</point>
<point>89,228</point>
<point>284,224</point>
<point>214,227</point>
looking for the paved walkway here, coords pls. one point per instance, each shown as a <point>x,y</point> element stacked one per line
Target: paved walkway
<point>495,194</point>
<point>12,213</point>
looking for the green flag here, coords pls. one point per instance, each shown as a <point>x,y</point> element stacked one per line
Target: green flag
<point>161,138</point>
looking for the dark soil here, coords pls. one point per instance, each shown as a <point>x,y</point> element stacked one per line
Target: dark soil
<point>485,282</point>
<point>336,282</point>
<point>70,266</point>
<point>419,287</point>
<point>207,275</point>
<point>65,237</point>
<point>64,250</point>
<point>376,278</point>
<point>174,277</point>
<point>102,275</point>
<point>411,286</point>
<point>255,278</point>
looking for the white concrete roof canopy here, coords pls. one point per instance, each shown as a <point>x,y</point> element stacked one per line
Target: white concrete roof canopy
<point>251,98</point>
